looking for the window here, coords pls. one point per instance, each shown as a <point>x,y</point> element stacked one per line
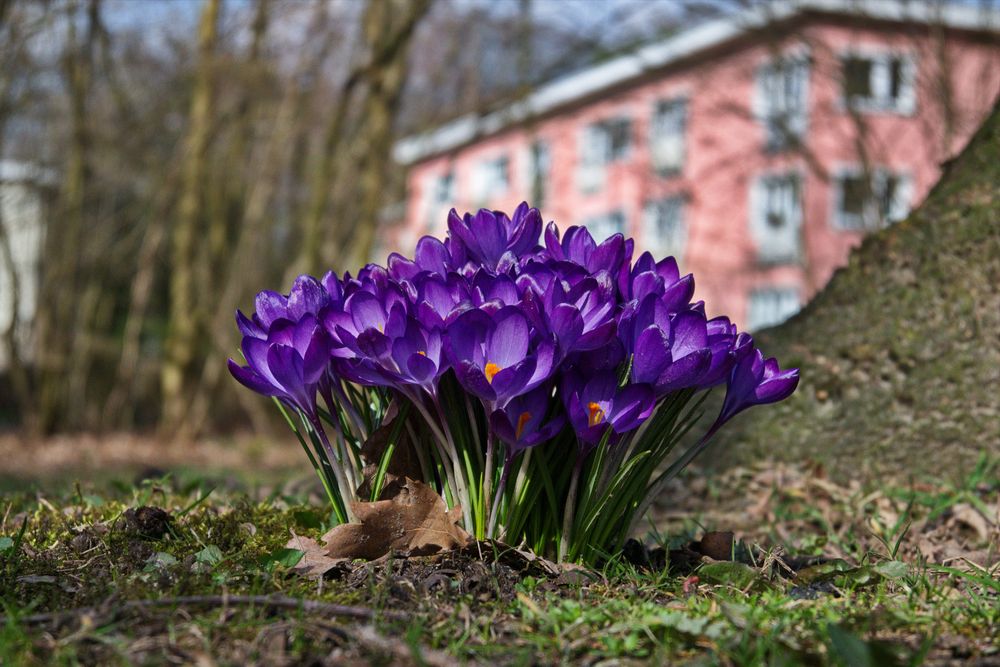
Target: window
<point>600,144</point>
<point>667,136</point>
<point>770,306</point>
<point>539,164</point>
<point>776,217</point>
<point>663,227</point>
<point>444,189</point>
<point>603,226</point>
<point>441,197</point>
<point>491,178</point>
<point>882,82</point>
<point>782,94</point>
<point>870,203</point>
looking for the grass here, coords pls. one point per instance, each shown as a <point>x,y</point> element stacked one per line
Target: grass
<point>914,580</point>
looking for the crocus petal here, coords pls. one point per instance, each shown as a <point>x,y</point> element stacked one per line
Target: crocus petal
<point>684,372</point>
<point>307,296</point>
<point>472,378</point>
<point>677,296</point>
<point>252,380</point>
<point>270,306</point>
<point>420,368</point>
<point>248,327</point>
<point>366,310</point>
<point>513,379</point>
<point>651,354</point>
<point>431,255</point>
<point>631,407</point>
<point>508,343</point>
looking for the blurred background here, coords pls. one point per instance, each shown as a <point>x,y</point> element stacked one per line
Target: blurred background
<point>163,160</point>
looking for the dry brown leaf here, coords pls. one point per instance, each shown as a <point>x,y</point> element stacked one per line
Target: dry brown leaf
<point>315,560</point>
<point>411,518</point>
<point>967,515</point>
<point>404,461</point>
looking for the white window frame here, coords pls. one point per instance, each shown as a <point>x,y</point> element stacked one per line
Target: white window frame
<point>440,196</point>
<point>673,242</point>
<point>538,167</point>
<point>602,227</point>
<point>905,103</point>
<point>785,116</point>
<point>871,217</point>
<point>762,199</point>
<point>668,135</point>
<point>787,303</point>
<point>595,151</point>
<point>487,181</point>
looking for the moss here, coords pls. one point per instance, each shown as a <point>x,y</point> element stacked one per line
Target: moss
<point>899,354</point>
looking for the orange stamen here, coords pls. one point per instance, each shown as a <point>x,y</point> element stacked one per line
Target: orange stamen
<point>596,414</point>
<point>491,370</point>
<point>421,353</point>
<point>521,421</point>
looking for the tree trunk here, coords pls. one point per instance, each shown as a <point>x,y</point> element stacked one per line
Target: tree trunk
<point>388,28</point>
<point>59,316</point>
<point>185,318</point>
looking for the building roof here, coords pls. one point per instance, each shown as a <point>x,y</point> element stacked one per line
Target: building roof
<point>24,172</point>
<point>628,67</point>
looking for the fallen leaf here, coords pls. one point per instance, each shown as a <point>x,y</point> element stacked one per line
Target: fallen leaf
<point>402,463</point>
<point>411,518</point>
<point>717,545</point>
<point>315,561</point>
<point>968,516</point>
<point>572,574</point>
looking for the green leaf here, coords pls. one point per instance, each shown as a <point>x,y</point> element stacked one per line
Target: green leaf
<point>160,559</point>
<point>308,519</point>
<point>892,569</point>
<point>735,574</point>
<point>689,625</point>
<point>5,544</point>
<point>211,555</point>
<point>852,651</point>
<point>861,576</point>
<point>823,571</point>
<point>283,556</point>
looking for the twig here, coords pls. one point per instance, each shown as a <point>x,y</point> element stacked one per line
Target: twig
<point>267,601</point>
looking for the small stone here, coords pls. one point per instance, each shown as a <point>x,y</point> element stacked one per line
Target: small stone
<point>148,522</point>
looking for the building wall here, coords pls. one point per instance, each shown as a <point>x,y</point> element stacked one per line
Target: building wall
<point>726,154</point>
<point>21,216</point>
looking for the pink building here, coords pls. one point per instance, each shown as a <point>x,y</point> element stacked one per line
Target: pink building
<point>757,149</point>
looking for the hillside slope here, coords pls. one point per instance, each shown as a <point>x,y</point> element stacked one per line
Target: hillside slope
<point>900,353</point>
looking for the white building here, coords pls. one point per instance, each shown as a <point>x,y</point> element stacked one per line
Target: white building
<point>21,216</point>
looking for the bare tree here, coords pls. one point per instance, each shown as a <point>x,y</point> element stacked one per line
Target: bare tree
<point>186,316</point>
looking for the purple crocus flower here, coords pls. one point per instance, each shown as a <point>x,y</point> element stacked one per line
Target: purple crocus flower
<point>495,357</point>
<point>288,364</point>
<point>367,324</point>
<point>523,422</point>
<point>269,307</point>
<point>755,380</point>
<point>660,278</point>
<point>431,256</point>
<point>598,404</point>
<point>579,247</point>
<point>670,352</point>
<point>490,238</point>
<point>440,299</point>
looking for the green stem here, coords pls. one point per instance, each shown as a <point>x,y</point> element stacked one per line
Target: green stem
<point>569,511</point>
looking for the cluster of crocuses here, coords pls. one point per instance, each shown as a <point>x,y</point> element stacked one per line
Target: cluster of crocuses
<point>542,379</point>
